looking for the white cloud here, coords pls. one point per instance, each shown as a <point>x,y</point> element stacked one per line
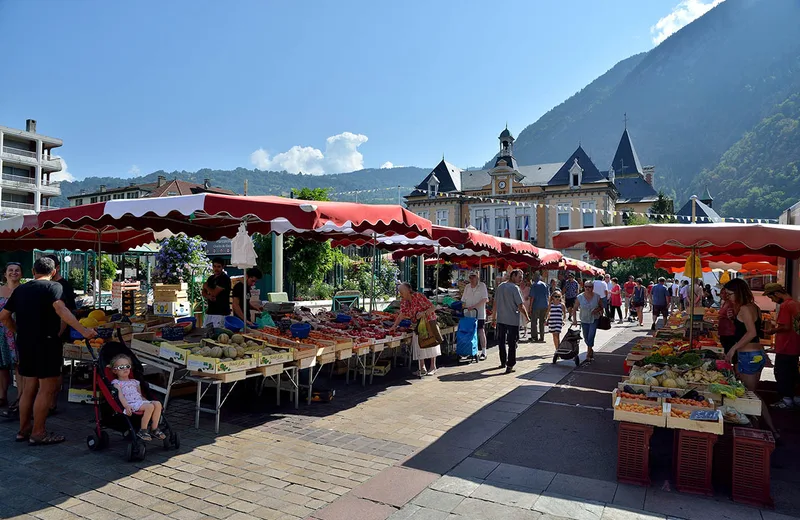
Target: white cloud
<point>62,175</point>
<point>341,155</point>
<point>387,165</point>
<point>134,171</point>
<point>682,15</point>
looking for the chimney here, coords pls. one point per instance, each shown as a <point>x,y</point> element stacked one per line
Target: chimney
<point>206,183</point>
<point>649,173</point>
<point>30,125</point>
<point>162,179</point>
<point>83,192</point>
<point>132,185</point>
<point>102,188</point>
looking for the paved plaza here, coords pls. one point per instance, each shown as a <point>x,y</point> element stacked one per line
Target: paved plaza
<point>469,442</point>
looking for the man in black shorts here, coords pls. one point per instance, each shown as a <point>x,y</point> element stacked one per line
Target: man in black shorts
<point>68,296</point>
<point>571,289</point>
<point>40,309</point>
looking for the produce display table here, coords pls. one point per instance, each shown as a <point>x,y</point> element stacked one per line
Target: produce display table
<point>208,382</point>
<point>275,381</point>
<point>175,373</point>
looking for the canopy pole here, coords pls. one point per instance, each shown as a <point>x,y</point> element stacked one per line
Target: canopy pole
<point>98,292</point>
<point>693,261</point>
<point>436,289</point>
<point>374,267</point>
<point>277,262</point>
<point>244,289</point>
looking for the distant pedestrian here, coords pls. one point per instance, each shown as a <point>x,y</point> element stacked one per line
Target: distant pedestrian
<point>616,300</point>
<point>508,306</point>
<point>8,349</point>
<point>638,300</point>
<point>589,307</point>
<point>660,298</point>
<point>571,290</point>
<point>39,310</point>
<point>556,313</point>
<point>540,301</point>
<point>787,346</point>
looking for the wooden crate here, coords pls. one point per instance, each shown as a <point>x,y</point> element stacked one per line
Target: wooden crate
<point>307,362</point>
<point>326,358</point>
<point>271,370</point>
<point>640,418</point>
<point>209,365</point>
<point>225,377</point>
<point>622,384</point>
<point>750,404</point>
<point>176,352</point>
<point>170,287</point>
<point>679,423</point>
<point>362,349</point>
<point>377,347</point>
<point>615,394</point>
<point>344,354</point>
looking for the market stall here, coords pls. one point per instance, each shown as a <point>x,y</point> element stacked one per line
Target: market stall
<point>677,379</point>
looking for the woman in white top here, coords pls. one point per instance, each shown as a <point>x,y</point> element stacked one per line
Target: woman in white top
<point>475,298</point>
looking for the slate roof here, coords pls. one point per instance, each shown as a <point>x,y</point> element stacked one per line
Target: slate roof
<point>626,161</point>
<point>534,175</point>
<point>590,171</point>
<point>449,177</point>
<point>634,189</point>
<point>506,133</point>
<point>702,210</point>
<point>511,162</point>
<point>177,187</point>
<point>707,196</point>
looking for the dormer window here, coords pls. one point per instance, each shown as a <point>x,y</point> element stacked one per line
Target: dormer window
<point>433,187</point>
<point>575,175</point>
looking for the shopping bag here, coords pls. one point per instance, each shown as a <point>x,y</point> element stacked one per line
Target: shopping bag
<point>604,323</point>
<point>265,320</point>
<point>422,329</point>
<point>435,331</point>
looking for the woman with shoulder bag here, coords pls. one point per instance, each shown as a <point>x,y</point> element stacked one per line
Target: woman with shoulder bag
<point>416,307</point>
<point>638,300</point>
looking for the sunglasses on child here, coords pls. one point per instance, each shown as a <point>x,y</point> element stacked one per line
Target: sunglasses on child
<point>122,367</point>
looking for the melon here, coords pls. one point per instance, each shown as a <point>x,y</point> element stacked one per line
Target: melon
<point>237,338</point>
<point>669,383</point>
<point>231,352</point>
<point>636,380</point>
<point>216,352</point>
<point>223,338</point>
<point>89,323</point>
<point>97,315</point>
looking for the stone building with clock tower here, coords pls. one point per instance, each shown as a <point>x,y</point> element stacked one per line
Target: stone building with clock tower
<point>531,202</point>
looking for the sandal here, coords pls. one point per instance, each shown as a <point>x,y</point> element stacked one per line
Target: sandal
<point>158,434</point>
<point>144,435</point>
<point>50,438</point>
<point>11,413</point>
<point>22,437</point>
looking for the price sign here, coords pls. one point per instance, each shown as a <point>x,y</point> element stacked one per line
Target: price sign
<point>705,415</point>
<point>666,395</point>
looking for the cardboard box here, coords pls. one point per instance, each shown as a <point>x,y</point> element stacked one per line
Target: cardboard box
<point>161,308</point>
<point>171,286</point>
<point>80,395</point>
<point>176,352</point>
<point>209,365</point>
<point>146,343</point>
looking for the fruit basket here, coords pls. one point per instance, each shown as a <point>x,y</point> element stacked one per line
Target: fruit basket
<point>641,412</point>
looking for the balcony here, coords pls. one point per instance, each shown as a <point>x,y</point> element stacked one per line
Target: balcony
<point>18,182</point>
<point>51,164</point>
<point>9,208</point>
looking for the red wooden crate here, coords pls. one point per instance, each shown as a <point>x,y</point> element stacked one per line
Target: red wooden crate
<point>633,453</point>
<point>751,475</point>
<point>692,458</point>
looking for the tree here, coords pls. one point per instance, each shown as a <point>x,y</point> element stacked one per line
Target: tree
<point>663,210</point>
<point>108,272</point>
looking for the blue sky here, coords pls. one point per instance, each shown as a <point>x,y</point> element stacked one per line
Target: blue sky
<point>134,87</point>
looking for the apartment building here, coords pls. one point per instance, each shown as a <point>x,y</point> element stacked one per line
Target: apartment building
<point>161,188</point>
<point>26,164</point>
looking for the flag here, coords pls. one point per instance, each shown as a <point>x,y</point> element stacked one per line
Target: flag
<point>527,233</point>
<point>507,232</point>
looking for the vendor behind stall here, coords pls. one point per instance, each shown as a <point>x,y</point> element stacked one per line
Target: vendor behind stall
<point>252,275</point>
<point>217,292</point>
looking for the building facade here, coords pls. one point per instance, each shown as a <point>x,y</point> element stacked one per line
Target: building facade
<point>532,202</point>
<point>26,164</point>
<point>161,188</point>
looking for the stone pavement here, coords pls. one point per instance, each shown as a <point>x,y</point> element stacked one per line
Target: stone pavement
<point>397,448</point>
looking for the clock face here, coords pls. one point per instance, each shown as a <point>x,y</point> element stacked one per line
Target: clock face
<point>501,185</point>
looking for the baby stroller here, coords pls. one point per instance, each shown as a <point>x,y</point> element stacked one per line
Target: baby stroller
<point>569,347</point>
<point>467,338</point>
<point>108,410</point>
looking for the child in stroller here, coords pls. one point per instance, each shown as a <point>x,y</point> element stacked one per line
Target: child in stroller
<point>118,409</point>
<point>132,400</point>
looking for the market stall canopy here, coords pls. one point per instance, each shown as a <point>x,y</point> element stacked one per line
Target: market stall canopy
<point>442,236</point>
<point>213,216</point>
<point>663,239</point>
<point>23,234</point>
<point>571,264</point>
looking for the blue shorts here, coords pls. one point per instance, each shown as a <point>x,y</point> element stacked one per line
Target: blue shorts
<point>751,363</point>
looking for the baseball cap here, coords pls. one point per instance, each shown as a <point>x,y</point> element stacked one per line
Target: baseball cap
<point>772,288</point>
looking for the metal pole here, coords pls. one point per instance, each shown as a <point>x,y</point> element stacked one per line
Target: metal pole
<point>244,290</point>
<point>277,262</point>
<point>691,281</point>
<point>436,289</point>
<point>374,266</point>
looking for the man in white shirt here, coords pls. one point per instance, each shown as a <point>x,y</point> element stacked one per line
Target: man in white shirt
<point>601,290</point>
<point>475,298</point>
<point>675,289</point>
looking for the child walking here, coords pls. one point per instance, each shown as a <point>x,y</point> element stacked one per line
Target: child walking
<point>555,316</point>
<point>130,395</point>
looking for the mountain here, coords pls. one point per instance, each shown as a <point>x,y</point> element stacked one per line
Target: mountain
<point>691,103</point>
<point>274,183</point>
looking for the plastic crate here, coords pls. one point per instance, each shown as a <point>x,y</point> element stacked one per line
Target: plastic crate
<point>751,476</point>
<point>173,333</point>
<point>723,459</point>
<point>633,453</point>
<point>692,462</point>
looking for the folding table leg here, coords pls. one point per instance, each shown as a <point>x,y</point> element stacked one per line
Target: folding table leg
<point>217,410</point>
<point>197,405</point>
